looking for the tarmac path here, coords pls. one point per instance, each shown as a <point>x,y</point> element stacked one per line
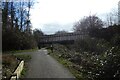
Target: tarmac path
<point>43,65</point>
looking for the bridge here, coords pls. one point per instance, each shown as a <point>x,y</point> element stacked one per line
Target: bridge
<point>61,38</point>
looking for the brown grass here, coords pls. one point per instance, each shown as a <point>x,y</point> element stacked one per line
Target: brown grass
<point>9,63</point>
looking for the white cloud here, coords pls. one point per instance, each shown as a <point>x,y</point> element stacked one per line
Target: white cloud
<point>67,11</point>
<point>51,28</point>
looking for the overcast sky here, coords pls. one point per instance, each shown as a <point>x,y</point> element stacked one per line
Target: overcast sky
<point>53,15</point>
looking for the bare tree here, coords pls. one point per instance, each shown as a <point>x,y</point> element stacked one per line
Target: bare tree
<point>5,16</point>
<point>112,17</point>
<point>21,14</point>
<point>29,5</point>
<point>24,14</point>
<point>12,15</point>
<point>88,23</point>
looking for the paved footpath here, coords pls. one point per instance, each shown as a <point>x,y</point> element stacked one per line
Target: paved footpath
<point>43,65</point>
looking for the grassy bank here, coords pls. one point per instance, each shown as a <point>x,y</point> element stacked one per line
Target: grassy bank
<point>10,62</point>
<point>26,58</point>
<point>73,68</point>
<point>19,51</point>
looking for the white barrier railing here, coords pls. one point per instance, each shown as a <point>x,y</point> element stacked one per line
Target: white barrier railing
<point>18,71</point>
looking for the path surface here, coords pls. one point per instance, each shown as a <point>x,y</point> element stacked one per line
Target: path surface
<point>43,65</point>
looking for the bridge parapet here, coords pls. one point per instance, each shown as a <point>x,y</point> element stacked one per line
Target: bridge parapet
<point>62,37</point>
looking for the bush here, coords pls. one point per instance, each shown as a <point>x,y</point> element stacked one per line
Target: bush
<point>91,45</point>
<point>17,40</point>
<point>103,67</point>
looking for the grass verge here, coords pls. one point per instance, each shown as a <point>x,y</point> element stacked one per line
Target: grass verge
<point>23,73</point>
<point>20,51</point>
<point>26,58</point>
<point>11,61</point>
<point>71,66</point>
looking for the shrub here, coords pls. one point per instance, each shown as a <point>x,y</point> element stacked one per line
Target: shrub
<point>91,45</point>
<point>101,67</point>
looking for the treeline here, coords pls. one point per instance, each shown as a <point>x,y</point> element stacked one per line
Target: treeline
<point>110,34</point>
<point>93,26</point>
<point>16,26</point>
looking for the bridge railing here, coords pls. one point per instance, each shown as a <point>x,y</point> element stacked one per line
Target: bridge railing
<point>68,36</point>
